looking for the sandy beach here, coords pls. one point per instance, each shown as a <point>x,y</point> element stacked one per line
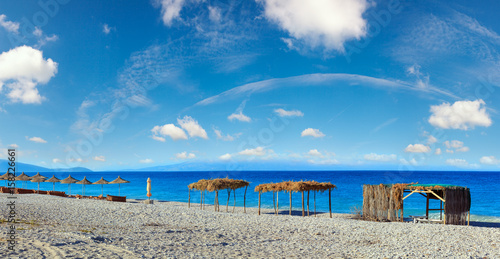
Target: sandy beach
<point>55,227</point>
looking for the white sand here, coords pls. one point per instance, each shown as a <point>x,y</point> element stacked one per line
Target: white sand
<point>58,227</point>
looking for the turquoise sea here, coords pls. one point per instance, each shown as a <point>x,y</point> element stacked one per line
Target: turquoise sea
<point>172,186</point>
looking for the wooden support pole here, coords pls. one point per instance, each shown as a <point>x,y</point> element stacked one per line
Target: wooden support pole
<point>303,212</point>
<point>427,207</point>
<point>201,199</point>
<point>215,200</point>
<point>259,201</point>
<point>277,203</point>
<point>189,199</point>
<point>290,203</point>
<point>330,201</point>
<point>315,203</point>
<point>468,218</point>
<point>441,210</point>
<point>228,196</point>
<point>245,200</point>
<point>274,202</point>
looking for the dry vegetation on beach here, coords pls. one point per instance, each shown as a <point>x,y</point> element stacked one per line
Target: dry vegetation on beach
<point>55,227</point>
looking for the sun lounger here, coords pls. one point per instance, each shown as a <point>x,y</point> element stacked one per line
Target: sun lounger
<point>116,198</point>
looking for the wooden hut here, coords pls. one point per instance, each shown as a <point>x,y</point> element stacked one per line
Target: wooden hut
<point>216,185</point>
<point>299,186</point>
<point>385,202</point>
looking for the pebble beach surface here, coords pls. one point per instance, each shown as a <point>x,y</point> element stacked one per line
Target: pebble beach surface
<point>56,227</point>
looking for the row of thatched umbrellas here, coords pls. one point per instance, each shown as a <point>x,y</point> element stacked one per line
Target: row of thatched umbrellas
<point>38,178</point>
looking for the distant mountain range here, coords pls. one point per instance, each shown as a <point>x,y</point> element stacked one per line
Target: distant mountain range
<point>22,167</point>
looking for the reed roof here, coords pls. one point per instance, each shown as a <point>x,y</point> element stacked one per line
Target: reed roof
<point>218,184</point>
<point>295,186</point>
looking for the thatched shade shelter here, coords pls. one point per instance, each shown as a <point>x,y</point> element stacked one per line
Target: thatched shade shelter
<point>5,177</point>
<point>39,175</point>
<point>53,180</point>
<point>119,181</point>
<point>69,180</point>
<point>102,182</point>
<point>301,186</point>
<point>215,185</point>
<point>23,177</point>
<point>383,202</point>
<point>39,179</point>
<point>84,182</point>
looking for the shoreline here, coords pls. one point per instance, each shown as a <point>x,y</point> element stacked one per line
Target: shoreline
<point>58,227</point>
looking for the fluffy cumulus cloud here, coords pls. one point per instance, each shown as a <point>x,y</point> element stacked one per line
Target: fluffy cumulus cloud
<point>56,161</point>
<point>225,157</point>
<point>320,23</point>
<point>431,140</point>
<point>457,162</point>
<point>489,160</point>
<point>457,145</point>
<point>285,113</point>
<point>37,140</point>
<point>239,116</point>
<point>100,158</point>
<point>185,155</point>
<point>381,158</point>
<point>170,10</point>
<point>438,151</point>
<point>315,152</point>
<point>170,130</point>
<point>9,25</point>
<point>258,151</point>
<point>463,115</point>
<point>146,161</point>
<point>417,148</point>
<point>192,127</point>
<point>312,132</point>
<point>21,70</point>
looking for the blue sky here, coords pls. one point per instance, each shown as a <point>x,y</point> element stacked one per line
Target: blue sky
<point>110,85</point>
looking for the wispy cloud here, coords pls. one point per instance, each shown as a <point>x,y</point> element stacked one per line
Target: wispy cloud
<point>9,25</point>
<point>37,140</point>
<point>292,113</point>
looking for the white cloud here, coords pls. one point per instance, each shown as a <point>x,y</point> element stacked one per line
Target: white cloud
<point>314,152</point>
<point>21,70</point>
<point>106,29</point>
<point>77,160</point>
<point>438,151</point>
<point>258,151</point>
<point>158,138</point>
<point>56,160</point>
<point>42,38</point>
<point>146,161</point>
<point>100,158</point>
<point>489,160</point>
<point>37,140</point>
<point>9,25</point>
<point>462,149</point>
<point>417,148</point>
<point>320,23</point>
<point>192,127</point>
<point>239,116</point>
<point>214,14</point>
<point>225,157</point>
<point>292,113</point>
<point>170,10</point>
<point>450,151</point>
<point>185,155</point>
<point>457,162</point>
<point>462,115</point>
<point>457,145</point>
<point>431,140</point>
<point>324,162</point>
<point>382,157</point>
<point>222,137</point>
<point>312,132</point>
<point>13,146</point>
<point>406,162</point>
<point>168,130</point>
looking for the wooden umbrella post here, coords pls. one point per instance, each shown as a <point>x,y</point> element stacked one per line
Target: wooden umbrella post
<point>259,201</point>
<point>308,203</point>
<point>189,199</point>
<point>234,198</point>
<point>201,200</point>
<point>215,201</point>
<point>274,202</point>
<point>330,201</point>
<point>228,196</point>
<point>290,203</point>
<point>303,212</point>
<point>277,203</point>
<point>315,203</point>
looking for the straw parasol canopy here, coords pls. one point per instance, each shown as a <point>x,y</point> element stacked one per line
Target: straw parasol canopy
<point>39,175</point>
<point>84,182</point>
<point>102,182</point>
<point>69,180</point>
<point>39,179</point>
<point>119,181</point>
<point>148,188</point>
<point>23,177</point>
<point>5,177</point>
<point>53,180</point>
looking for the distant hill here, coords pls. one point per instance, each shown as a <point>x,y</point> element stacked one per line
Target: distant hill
<point>22,167</point>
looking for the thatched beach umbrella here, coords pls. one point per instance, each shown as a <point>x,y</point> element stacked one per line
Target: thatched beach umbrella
<point>84,182</point>
<point>69,180</point>
<point>119,181</point>
<point>5,177</point>
<point>39,175</point>
<point>23,177</point>
<point>102,182</point>
<point>53,180</point>
<point>38,180</point>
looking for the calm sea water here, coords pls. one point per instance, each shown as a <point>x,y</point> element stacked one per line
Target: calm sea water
<point>172,186</point>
